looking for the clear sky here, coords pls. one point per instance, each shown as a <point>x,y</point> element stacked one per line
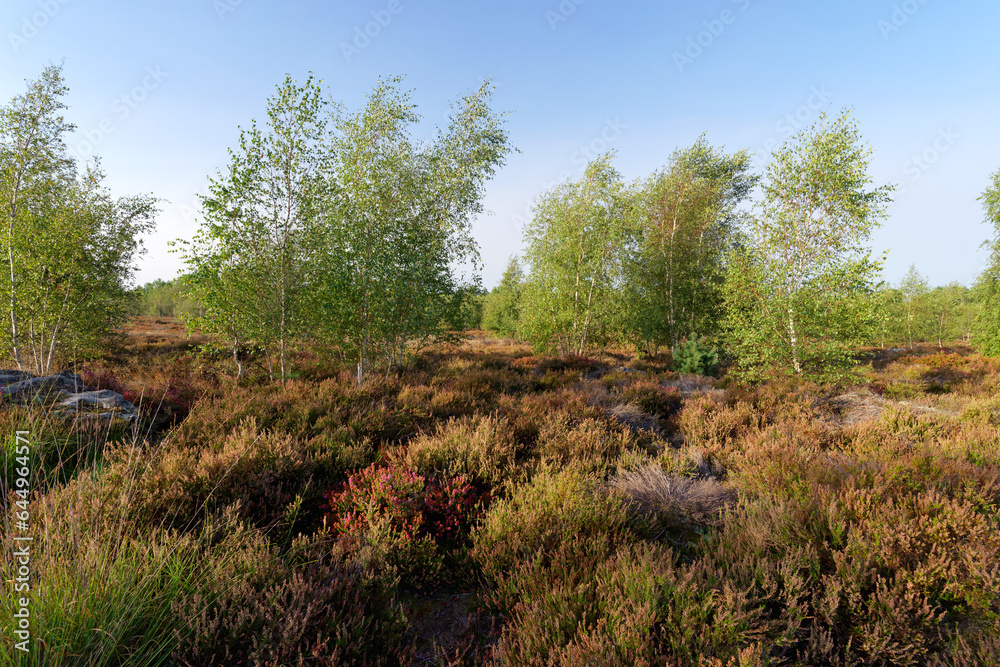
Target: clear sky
<point>158,90</point>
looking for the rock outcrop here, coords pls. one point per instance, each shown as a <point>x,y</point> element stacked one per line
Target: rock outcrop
<point>66,394</point>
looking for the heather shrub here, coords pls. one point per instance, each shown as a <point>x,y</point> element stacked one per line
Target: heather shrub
<point>714,427</point>
<point>270,474</point>
<point>315,605</point>
<point>481,448</point>
<point>304,411</point>
<point>574,363</point>
<point>652,397</point>
<point>590,444</point>
<point>101,377</point>
<point>403,519</point>
<point>169,401</point>
<point>532,412</point>
<point>554,507</point>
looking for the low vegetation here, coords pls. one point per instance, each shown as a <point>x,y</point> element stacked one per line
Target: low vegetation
<point>492,506</point>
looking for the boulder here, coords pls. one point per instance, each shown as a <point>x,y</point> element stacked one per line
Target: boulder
<point>34,388</point>
<point>102,398</point>
<point>68,393</point>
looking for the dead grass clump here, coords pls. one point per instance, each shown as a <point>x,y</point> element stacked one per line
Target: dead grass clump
<point>635,418</point>
<point>674,500</point>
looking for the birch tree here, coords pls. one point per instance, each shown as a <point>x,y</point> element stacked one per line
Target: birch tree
<point>577,241</point>
<point>914,289</point>
<point>397,219</point>
<point>987,287</point>
<point>799,297</point>
<point>687,219</point>
<point>69,245</point>
<point>247,262</point>
<point>502,312</point>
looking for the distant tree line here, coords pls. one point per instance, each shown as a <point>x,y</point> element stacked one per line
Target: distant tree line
<point>786,284</point>
<point>165,298</point>
<point>336,227</point>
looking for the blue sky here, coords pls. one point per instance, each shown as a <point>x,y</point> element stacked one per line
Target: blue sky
<point>158,90</point>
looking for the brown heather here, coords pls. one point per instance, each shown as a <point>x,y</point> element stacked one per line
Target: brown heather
<point>623,518</point>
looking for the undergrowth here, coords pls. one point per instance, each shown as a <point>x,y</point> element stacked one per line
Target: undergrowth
<point>493,507</point>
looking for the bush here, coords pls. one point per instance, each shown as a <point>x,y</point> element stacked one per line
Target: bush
<point>480,449</point>
<point>695,357</point>
<point>404,518</point>
<point>524,528</point>
<point>316,606</point>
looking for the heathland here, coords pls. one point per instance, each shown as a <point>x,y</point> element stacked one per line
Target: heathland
<point>492,505</point>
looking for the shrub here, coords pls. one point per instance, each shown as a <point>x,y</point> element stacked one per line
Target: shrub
<point>404,518</point>
<point>101,377</point>
<point>481,448</point>
<point>590,445</point>
<point>271,475</point>
<point>695,357</point>
<point>553,508</point>
<point>316,605</point>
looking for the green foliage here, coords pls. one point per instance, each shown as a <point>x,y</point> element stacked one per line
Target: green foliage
<point>575,245</point>
<point>914,288</point>
<point>247,262</point>
<point>696,357</point>
<point>166,298</point>
<point>338,227</point>
<point>799,297</point>
<point>502,310</point>
<point>987,287</point>
<point>397,219</point>
<point>686,222</point>
<point>68,245</point>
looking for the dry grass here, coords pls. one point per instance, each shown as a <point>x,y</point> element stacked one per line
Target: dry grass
<point>624,515</point>
<point>674,498</point>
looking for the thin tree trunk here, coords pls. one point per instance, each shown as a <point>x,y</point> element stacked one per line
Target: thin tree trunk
<point>793,337</point>
<point>672,316</point>
<point>55,332</point>
<point>236,358</point>
<point>14,329</point>
<point>586,321</point>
